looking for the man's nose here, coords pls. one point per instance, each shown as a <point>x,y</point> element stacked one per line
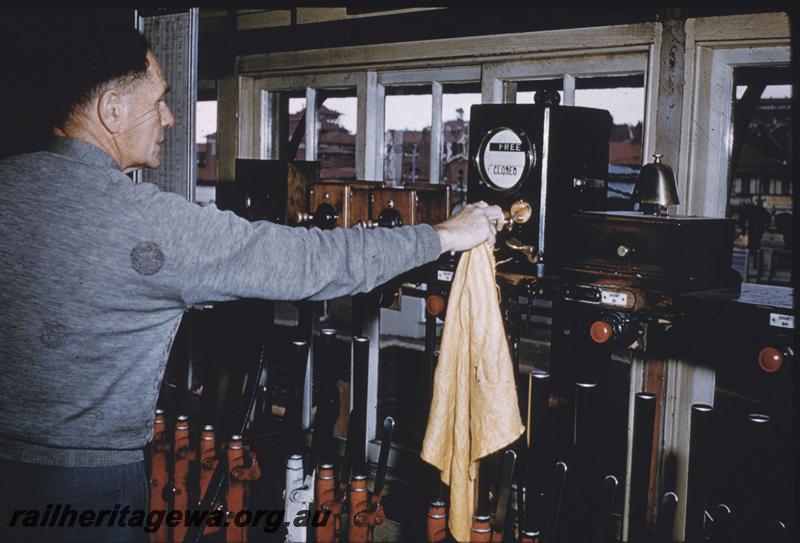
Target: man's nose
<point>167,118</point>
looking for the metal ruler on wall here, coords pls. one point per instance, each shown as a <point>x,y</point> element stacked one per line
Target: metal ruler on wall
<point>173,38</point>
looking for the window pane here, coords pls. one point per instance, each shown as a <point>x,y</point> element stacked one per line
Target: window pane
<point>456,104</point>
<point>761,154</point>
<point>408,112</point>
<point>336,122</point>
<point>623,97</point>
<point>297,117</point>
<point>526,90</point>
<point>337,118</point>
<point>206,140</point>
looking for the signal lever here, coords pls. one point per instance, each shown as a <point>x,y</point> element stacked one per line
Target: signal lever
<point>499,533</point>
<point>488,530</point>
<point>330,497</point>
<point>364,520</point>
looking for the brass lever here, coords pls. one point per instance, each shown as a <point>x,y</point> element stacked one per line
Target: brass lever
<point>529,251</point>
<point>324,217</point>
<point>302,217</point>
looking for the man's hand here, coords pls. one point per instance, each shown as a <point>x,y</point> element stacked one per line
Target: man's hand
<point>470,227</point>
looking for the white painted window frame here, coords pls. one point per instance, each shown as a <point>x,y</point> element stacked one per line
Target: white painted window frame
<point>499,79</point>
<point>310,84</point>
<point>623,50</point>
<point>436,78</point>
<point>712,128</point>
<point>715,47</point>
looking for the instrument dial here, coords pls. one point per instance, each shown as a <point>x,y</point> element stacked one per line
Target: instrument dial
<point>504,158</point>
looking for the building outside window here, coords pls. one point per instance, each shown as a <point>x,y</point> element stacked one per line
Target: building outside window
<point>336,138</point>
<point>407,140</point>
<point>623,97</point>
<point>761,152</point>
<point>457,100</point>
<point>206,140</point>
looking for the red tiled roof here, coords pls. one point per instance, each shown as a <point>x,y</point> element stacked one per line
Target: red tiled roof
<point>342,138</point>
<point>625,153</point>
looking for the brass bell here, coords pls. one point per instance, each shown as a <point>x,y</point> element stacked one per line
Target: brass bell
<point>655,188</point>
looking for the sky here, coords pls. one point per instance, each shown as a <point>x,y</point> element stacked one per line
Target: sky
<point>413,112</point>
<point>206,120</point>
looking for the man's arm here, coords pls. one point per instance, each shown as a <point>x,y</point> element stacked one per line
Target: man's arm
<point>213,255</point>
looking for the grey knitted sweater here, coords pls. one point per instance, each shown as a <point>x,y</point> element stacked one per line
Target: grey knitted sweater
<point>96,273</point>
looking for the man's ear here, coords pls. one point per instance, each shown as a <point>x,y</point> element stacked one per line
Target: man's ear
<point>110,109</point>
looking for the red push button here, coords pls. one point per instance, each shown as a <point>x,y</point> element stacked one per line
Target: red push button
<point>435,305</point>
<point>600,332</point>
<point>770,359</point>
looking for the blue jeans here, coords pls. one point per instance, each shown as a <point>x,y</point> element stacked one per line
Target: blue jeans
<point>56,504</point>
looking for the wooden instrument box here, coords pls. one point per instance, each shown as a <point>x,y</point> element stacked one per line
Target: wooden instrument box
<point>433,202</point>
<point>271,190</point>
<point>417,203</point>
<point>673,254</point>
<point>349,199</point>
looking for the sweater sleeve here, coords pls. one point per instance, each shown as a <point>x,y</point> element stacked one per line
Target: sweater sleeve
<point>214,255</point>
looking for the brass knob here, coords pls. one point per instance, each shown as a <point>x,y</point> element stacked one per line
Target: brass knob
<point>520,212</point>
<point>623,251</point>
<point>302,217</point>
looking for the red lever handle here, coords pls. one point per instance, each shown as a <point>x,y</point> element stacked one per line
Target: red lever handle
<point>600,332</point>
<point>435,305</point>
<point>770,359</point>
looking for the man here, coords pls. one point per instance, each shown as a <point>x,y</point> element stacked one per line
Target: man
<point>97,272</point>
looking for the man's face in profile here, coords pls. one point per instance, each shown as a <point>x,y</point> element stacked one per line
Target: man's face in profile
<point>147,117</point>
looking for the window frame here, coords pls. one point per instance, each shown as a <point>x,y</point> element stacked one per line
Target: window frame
<point>627,49</point>
<point>499,83</point>
<point>715,46</point>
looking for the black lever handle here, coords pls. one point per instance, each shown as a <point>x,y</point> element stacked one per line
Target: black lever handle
<point>358,411</point>
<point>556,493</point>
<point>699,480</point>
<point>323,445</point>
<point>721,524</point>
<point>383,458</point>
<point>504,490</point>
<point>665,519</point>
<point>605,510</point>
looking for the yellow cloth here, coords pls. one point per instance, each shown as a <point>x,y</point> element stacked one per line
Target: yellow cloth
<point>474,411</point>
